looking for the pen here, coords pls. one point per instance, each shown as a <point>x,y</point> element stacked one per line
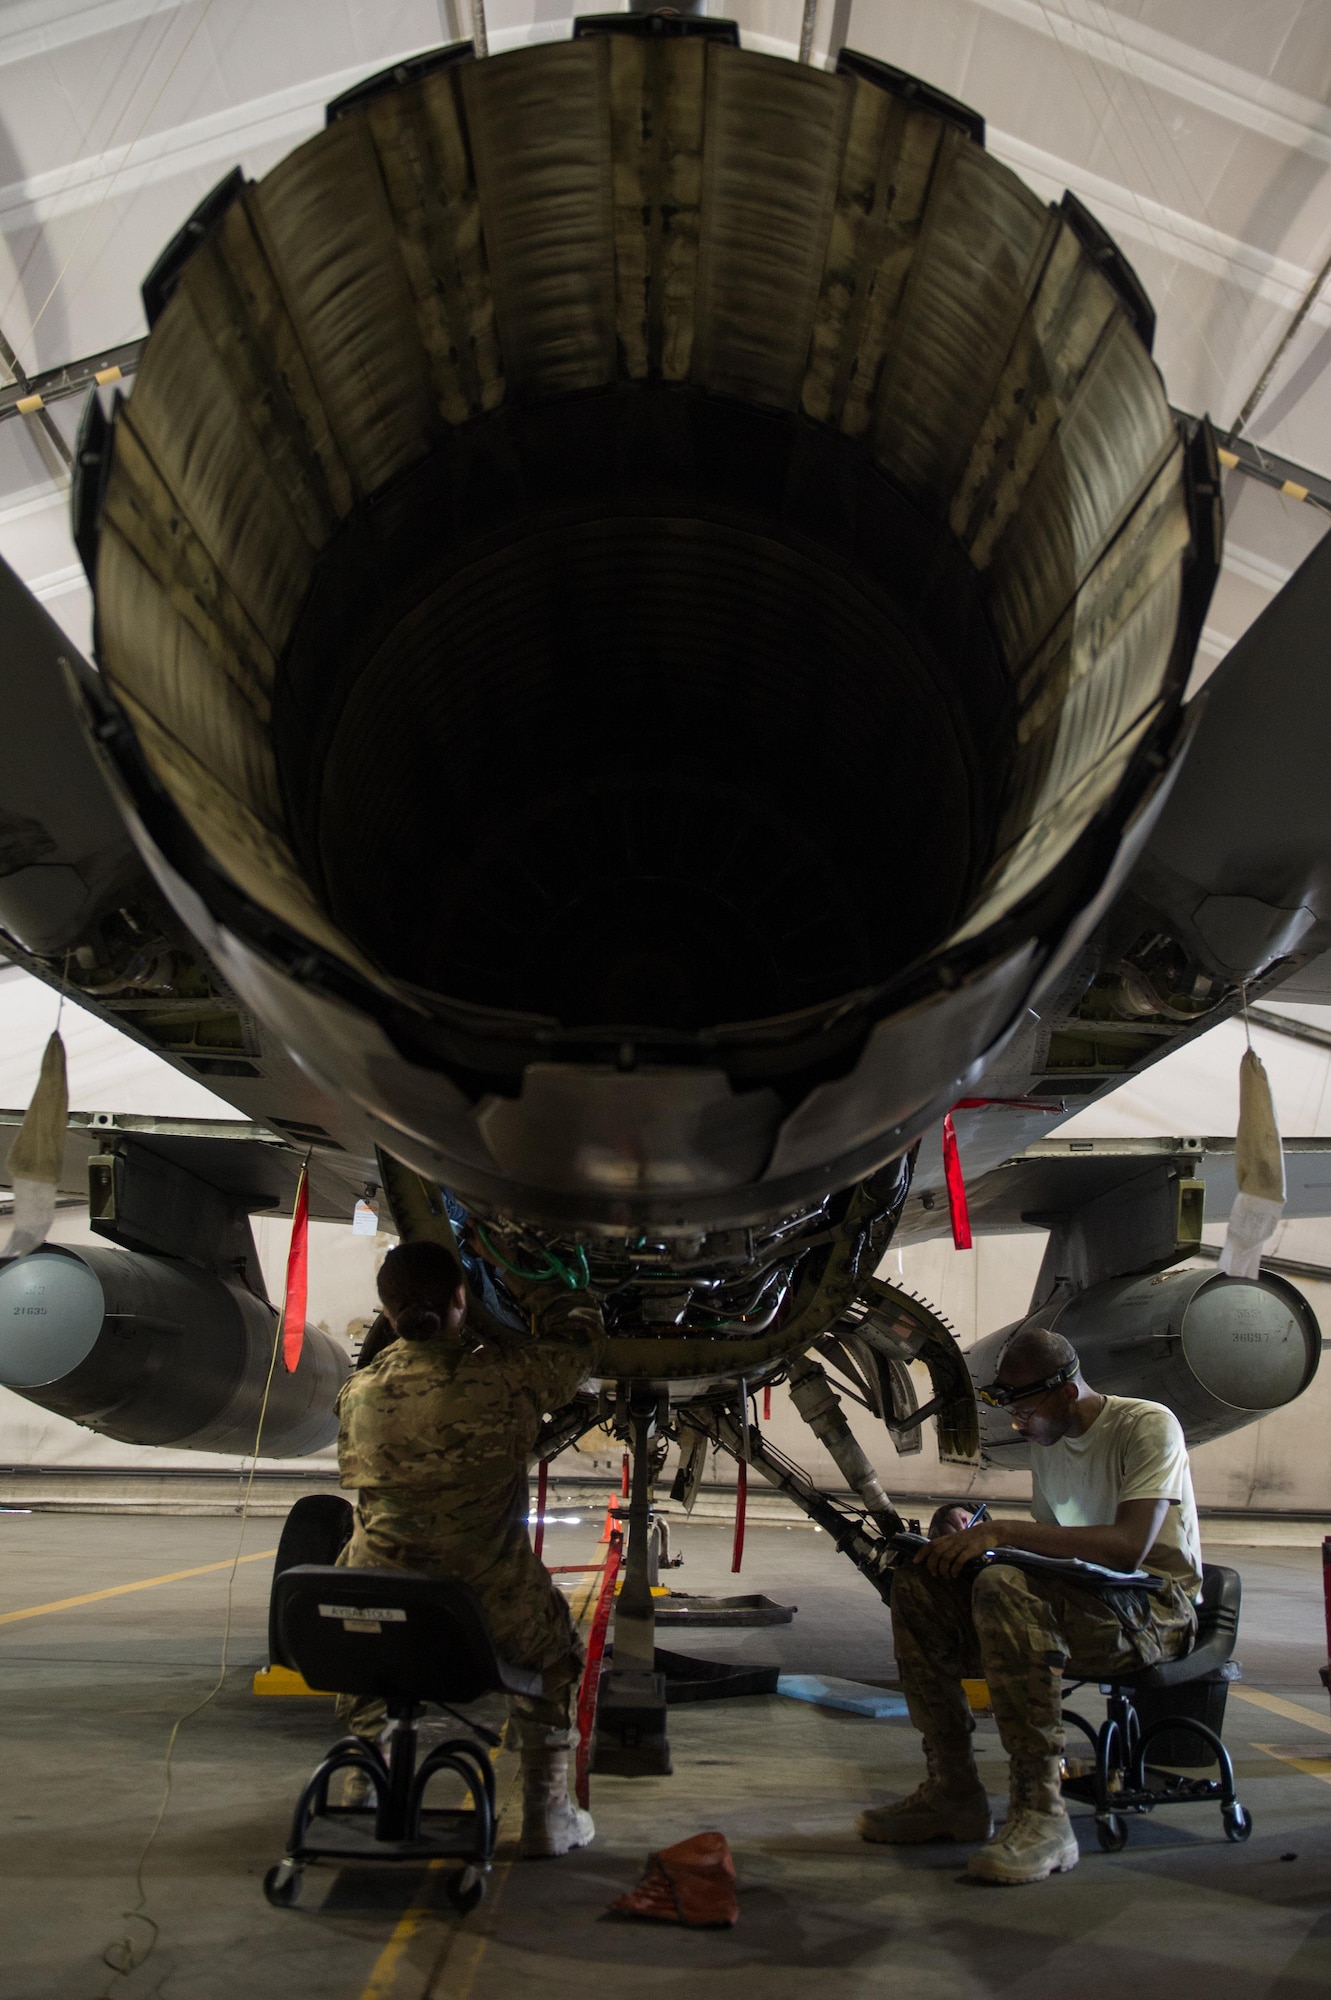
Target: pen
<point>979,1514</point>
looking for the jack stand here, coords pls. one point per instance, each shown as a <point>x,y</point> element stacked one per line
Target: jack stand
<point>631,1739</point>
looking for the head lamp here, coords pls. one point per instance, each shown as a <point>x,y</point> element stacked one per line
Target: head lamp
<point>1000,1397</point>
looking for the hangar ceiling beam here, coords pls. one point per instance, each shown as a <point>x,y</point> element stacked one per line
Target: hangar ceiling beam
<point>28,406</point>
<point>28,395</point>
<point>1288,1024</point>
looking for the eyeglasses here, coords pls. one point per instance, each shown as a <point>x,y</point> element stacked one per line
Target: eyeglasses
<point>1000,1397</point>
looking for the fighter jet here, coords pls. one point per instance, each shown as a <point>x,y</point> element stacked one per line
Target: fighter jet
<point>644,596</point>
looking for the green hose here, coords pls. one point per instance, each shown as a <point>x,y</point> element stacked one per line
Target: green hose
<point>576,1280</point>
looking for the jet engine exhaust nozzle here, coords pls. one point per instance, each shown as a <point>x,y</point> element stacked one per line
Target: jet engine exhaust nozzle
<point>643,587</point>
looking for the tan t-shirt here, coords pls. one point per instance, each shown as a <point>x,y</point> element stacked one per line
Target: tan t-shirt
<point>1133,1451</point>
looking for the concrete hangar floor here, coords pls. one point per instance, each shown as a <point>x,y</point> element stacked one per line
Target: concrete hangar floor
<point>94,1674</point>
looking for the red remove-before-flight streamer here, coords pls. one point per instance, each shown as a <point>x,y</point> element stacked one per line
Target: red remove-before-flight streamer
<point>298,1277</point>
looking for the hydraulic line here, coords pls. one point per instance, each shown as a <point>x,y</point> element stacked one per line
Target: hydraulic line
<point>820,1407</point>
<point>872,1553</point>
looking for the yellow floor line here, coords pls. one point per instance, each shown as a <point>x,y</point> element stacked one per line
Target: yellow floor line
<point>1312,1767</point>
<point>383,1977</point>
<point>478,1944</point>
<point>479,1938</point>
<point>1293,1711</point>
<point>123,1589</point>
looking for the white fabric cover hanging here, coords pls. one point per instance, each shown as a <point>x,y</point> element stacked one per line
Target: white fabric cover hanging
<point>38,1153</point>
<point>1259,1169</point>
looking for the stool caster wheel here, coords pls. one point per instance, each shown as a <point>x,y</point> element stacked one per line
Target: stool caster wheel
<point>1111,1830</point>
<point>281,1885</point>
<point>465,1890</point>
<point>1237,1821</point>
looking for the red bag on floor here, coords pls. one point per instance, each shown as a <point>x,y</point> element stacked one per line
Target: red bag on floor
<point>691,1883</point>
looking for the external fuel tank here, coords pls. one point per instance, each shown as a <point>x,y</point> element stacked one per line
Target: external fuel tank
<point>150,1350</point>
<point>1217,1351</point>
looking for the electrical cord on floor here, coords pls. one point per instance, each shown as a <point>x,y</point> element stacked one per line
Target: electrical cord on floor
<point>122,1957</point>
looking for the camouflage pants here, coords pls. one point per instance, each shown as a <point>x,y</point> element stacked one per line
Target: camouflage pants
<point>1021,1633</point>
<point>532,1628</point>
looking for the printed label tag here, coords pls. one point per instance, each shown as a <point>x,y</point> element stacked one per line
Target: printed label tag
<point>388,1616</point>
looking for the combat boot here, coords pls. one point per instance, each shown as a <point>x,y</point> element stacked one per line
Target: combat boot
<point>551,1822</point>
<point>357,1790</point>
<point>951,1804</point>
<point>357,1787</point>
<point>1037,1838</point>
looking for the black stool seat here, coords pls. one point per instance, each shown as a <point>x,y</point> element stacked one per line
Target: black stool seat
<point>406,1640</point>
<point>1217,1635</point>
<point>1176,1708</point>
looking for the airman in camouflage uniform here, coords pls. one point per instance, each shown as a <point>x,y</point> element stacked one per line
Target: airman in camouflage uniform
<point>436,1436</point>
<point>1020,1630</point>
<point>1020,1633</point>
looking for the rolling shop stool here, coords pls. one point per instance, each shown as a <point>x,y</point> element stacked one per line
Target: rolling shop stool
<point>1178,1708</point>
<point>407,1639</point>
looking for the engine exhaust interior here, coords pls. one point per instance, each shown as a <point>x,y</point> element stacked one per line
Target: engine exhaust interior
<point>650,768</point>
<point>642,534</point>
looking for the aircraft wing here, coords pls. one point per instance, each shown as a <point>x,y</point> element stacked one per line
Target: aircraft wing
<point>1233,886</point>
<point>1053,1178</point>
<point>250,1162</point>
<point>1238,866</point>
<point>77,905</point>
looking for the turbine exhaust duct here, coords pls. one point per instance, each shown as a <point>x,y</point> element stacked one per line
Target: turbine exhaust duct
<point>642,592</point>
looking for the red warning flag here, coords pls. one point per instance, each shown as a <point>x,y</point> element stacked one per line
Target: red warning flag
<point>298,1277</point>
<point>589,1691</point>
<point>956,1187</point>
<point>741,1509</point>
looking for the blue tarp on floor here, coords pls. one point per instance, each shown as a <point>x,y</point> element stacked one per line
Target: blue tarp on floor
<point>856,1697</point>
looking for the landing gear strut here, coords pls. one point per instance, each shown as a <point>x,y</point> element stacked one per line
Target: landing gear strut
<point>631,1738</point>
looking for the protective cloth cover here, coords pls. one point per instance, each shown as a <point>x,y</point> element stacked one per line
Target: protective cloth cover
<point>691,1883</point>
<point>1259,1169</point>
<point>38,1152</point>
